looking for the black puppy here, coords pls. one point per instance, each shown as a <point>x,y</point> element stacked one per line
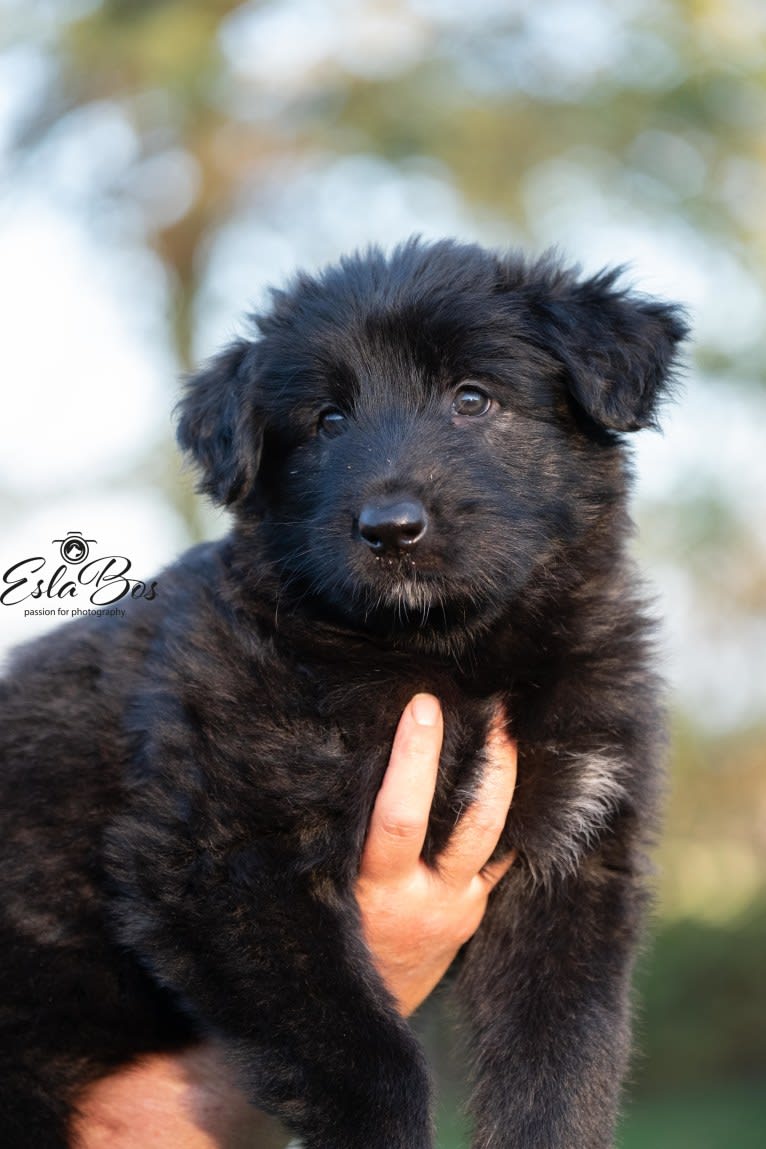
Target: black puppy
<point>424,458</point>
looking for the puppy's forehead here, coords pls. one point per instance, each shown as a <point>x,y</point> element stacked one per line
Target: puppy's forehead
<point>399,326</point>
<point>412,337</point>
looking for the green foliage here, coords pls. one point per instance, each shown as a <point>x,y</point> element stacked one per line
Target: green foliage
<point>702,995</point>
<point>732,1118</point>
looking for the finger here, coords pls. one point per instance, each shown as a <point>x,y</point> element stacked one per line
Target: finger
<point>400,817</point>
<point>478,831</point>
<point>491,873</point>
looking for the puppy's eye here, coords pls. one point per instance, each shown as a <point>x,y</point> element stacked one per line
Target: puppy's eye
<point>470,400</point>
<point>331,420</point>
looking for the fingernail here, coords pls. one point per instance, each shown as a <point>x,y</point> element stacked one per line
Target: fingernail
<point>425,709</point>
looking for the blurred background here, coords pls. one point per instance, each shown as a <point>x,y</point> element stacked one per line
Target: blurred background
<point>162,163</point>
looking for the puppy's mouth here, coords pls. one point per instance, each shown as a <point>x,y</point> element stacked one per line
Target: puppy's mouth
<point>399,597</point>
<point>405,593</point>
<point>398,584</point>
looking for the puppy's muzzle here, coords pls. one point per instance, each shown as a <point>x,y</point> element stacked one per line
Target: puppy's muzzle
<point>389,526</point>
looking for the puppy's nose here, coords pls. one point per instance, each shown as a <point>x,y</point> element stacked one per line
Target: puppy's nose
<point>392,525</point>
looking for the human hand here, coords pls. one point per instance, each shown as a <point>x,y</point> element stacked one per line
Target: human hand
<point>184,1100</point>
<point>415,917</point>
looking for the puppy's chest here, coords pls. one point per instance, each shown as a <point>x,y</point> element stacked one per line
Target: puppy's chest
<point>566,793</point>
<point>306,741</point>
<point>367,708</point>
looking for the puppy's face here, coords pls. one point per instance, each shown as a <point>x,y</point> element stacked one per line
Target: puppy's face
<point>418,467</point>
<point>427,437</point>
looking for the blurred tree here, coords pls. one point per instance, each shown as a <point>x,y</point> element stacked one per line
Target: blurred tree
<point>661,102</point>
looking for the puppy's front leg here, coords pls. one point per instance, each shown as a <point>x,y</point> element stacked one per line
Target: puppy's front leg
<point>272,963</point>
<point>546,987</point>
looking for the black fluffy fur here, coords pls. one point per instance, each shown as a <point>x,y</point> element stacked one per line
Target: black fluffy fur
<point>185,792</point>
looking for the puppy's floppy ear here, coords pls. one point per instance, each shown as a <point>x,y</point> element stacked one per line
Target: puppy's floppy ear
<point>216,425</point>
<point>618,348</point>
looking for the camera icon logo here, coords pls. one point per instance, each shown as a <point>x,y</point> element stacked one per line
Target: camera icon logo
<point>74,548</point>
